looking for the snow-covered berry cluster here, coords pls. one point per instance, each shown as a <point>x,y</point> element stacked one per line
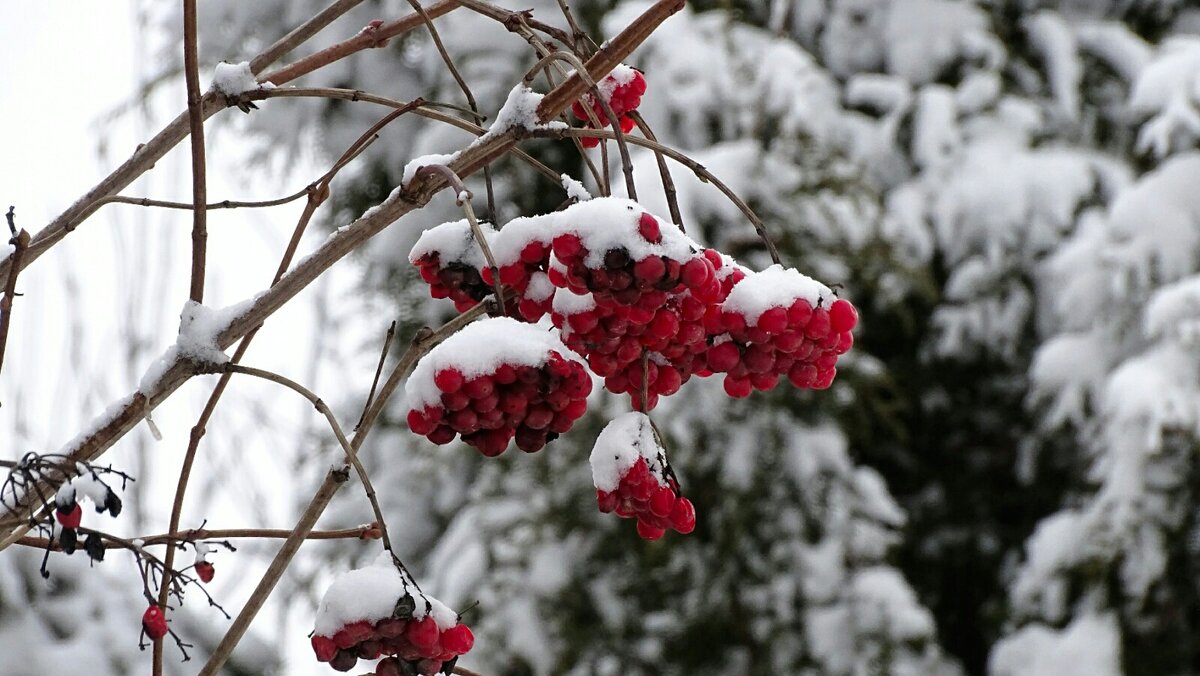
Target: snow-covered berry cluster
<point>69,512</point>
<point>780,323</point>
<point>495,380</point>
<point>451,263</point>
<point>376,612</point>
<point>522,253</point>
<point>633,478</point>
<point>622,89</point>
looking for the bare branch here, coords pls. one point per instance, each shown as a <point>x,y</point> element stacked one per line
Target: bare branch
<point>191,74</point>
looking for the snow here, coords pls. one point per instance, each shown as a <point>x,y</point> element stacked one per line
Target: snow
<point>432,159</point>
<point>776,286</point>
<point>516,234</point>
<point>200,327</point>
<point>235,79</point>
<point>626,438</point>
<point>518,112</point>
<point>1090,645</point>
<point>567,302</point>
<point>480,348</point>
<point>575,189</point>
<point>370,594</point>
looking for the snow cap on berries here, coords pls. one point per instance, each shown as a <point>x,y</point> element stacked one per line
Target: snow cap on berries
<point>776,286</point>
<point>481,348</point>
<point>452,242</point>
<point>628,437</point>
<point>608,223</point>
<point>370,594</point>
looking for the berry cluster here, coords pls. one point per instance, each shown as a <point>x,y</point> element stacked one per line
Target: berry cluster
<point>633,301</point>
<point>69,512</point>
<point>376,612</point>
<point>409,646</point>
<point>633,478</point>
<point>495,380</point>
<point>450,261</point>
<point>776,324</point>
<point>622,89</point>
<point>652,499</point>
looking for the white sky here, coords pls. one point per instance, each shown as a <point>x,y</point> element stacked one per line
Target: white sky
<point>121,278</point>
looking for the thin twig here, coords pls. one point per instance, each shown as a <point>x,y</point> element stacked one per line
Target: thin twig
<point>466,90</point>
<point>387,347</point>
<point>698,169</point>
<point>20,242</point>
<point>663,171</point>
<point>333,481</point>
<point>191,74</point>
<point>301,34</point>
<point>359,533</point>
<point>368,38</point>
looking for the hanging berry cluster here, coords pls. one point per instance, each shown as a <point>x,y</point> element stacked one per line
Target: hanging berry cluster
<point>645,307</point>
<point>622,89</point>
<point>378,611</point>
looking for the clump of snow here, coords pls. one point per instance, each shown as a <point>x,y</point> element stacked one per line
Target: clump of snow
<point>481,348</point>
<point>567,302</point>
<point>1166,92</point>
<point>414,165</point>
<point>235,79</point>
<point>1174,311</point>
<point>200,328</point>
<point>628,437</point>
<point>1089,645</point>
<point>540,288</point>
<point>776,286</point>
<point>608,223</point>
<point>370,594</point>
<point>575,189</point>
<point>519,111</point>
<point>65,495</point>
<point>453,242</point>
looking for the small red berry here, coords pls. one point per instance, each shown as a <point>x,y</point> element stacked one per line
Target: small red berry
<point>324,647</point>
<point>683,516</point>
<point>448,380</point>
<point>154,623</point>
<point>649,532</point>
<point>842,316</point>
<point>204,571</point>
<point>648,228</point>
<point>423,634</point>
<point>458,639</point>
<point>70,519</point>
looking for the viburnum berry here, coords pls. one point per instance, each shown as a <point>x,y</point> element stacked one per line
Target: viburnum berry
<point>70,518</point>
<point>495,381</point>
<point>154,623</point>
<point>622,89</point>
<point>205,571</point>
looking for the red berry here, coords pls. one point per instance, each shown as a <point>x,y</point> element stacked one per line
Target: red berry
<point>662,501</point>
<point>606,501</point>
<point>818,326</point>
<point>774,320</point>
<point>842,316</point>
<point>648,532</point>
<point>696,272</point>
<point>419,424</point>
<point>448,380</point>
<point>344,660</point>
<point>324,648</point>
<point>683,516</point>
<point>723,357</point>
<point>204,571</point>
<point>154,623</point>
<point>70,519</point>
<point>738,388</point>
<point>458,639</point>
<point>567,247</point>
<point>648,228</point>
<point>423,634</point>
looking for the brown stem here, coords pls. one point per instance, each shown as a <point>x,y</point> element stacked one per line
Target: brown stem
<point>191,73</point>
<point>359,533</point>
<point>301,34</point>
<point>368,38</point>
<point>333,481</point>
<point>387,347</point>
<point>20,242</point>
<point>663,171</point>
